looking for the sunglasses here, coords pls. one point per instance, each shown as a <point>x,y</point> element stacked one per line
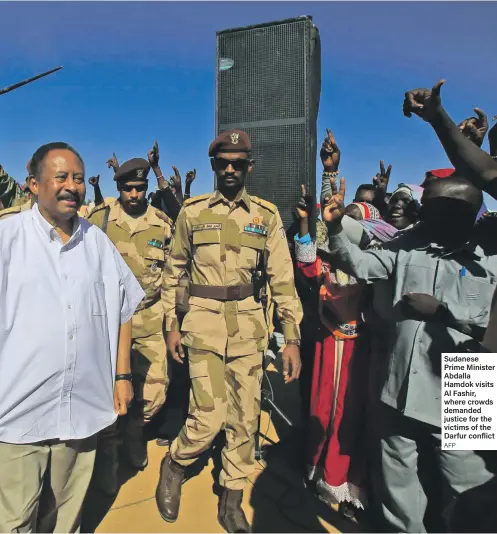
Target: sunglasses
<point>139,188</point>
<point>238,164</point>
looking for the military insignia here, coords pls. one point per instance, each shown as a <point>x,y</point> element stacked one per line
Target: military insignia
<point>155,243</point>
<point>256,220</point>
<point>139,173</point>
<point>255,229</point>
<point>234,138</point>
<point>153,267</point>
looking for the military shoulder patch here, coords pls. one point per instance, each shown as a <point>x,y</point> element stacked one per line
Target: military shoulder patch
<point>163,217</point>
<point>265,204</point>
<point>96,209</point>
<point>194,200</point>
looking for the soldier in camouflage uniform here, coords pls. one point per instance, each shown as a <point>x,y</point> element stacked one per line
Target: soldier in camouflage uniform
<point>220,239</point>
<point>142,235</point>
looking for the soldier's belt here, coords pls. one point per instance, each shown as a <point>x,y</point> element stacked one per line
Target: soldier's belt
<point>222,292</point>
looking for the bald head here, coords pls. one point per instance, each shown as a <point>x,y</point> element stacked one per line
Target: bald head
<point>454,187</point>
<point>449,208</point>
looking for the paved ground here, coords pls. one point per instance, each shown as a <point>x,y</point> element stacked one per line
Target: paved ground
<point>275,500</point>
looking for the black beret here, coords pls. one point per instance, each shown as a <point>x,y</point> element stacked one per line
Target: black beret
<point>133,169</point>
<point>230,141</point>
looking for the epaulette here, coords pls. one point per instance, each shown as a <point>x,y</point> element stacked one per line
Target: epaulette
<point>14,210</point>
<point>194,200</point>
<point>265,204</point>
<point>163,217</point>
<point>96,209</point>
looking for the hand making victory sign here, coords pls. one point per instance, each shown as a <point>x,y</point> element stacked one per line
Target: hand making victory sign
<point>383,177</point>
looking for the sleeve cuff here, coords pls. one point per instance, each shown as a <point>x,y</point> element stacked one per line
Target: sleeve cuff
<point>291,331</point>
<point>172,325</point>
<point>304,239</point>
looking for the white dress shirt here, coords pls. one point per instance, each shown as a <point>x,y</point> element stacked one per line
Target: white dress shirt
<point>60,311</point>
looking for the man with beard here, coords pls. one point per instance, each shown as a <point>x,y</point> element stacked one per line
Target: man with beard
<point>64,374</point>
<point>223,239</point>
<point>142,235</point>
<point>442,285</point>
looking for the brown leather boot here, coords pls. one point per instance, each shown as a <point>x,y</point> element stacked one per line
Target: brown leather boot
<point>231,516</point>
<point>168,494</point>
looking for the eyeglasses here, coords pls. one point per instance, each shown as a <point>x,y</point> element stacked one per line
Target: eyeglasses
<point>238,164</point>
<point>139,188</point>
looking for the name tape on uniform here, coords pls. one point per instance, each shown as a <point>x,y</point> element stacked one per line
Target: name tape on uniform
<point>207,226</point>
<point>469,402</point>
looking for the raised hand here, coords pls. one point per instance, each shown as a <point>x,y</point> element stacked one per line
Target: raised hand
<point>304,204</point>
<point>492,138</point>
<point>94,180</point>
<point>475,128</point>
<point>334,207</point>
<point>112,163</point>
<point>190,177</point>
<point>382,178</point>
<point>330,153</point>
<point>175,180</point>
<point>153,156</point>
<point>423,102</point>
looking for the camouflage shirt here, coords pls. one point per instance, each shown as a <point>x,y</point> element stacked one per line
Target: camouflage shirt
<point>220,244</point>
<point>145,248</point>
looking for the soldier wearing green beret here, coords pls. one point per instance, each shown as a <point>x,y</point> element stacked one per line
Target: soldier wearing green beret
<point>142,235</point>
<point>223,240</point>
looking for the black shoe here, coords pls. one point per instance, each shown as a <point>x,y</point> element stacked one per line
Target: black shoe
<point>168,494</point>
<point>231,516</point>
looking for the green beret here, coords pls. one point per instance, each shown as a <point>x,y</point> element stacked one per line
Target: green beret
<point>230,141</point>
<point>133,169</point>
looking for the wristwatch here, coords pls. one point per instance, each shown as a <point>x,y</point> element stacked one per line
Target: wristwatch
<point>293,342</point>
<point>127,376</point>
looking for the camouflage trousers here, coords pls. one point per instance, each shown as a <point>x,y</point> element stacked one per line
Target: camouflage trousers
<point>150,382</point>
<point>150,376</point>
<point>225,395</point>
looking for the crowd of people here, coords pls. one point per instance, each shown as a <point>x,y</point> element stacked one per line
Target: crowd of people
<point>364,309</point>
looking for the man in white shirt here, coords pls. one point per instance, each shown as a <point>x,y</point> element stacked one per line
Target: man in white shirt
<point>66,303</point>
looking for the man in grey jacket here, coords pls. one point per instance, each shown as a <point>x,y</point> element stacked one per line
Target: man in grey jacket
<point>442,277</point>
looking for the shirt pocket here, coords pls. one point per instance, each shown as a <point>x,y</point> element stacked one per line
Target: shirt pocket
<point>475,298</point>
<point>96,295</point>
<point>207,247</point>
<point>252,246</point>
<point>154,263</point>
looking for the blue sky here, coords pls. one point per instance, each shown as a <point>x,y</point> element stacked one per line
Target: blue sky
<point>137,71</point>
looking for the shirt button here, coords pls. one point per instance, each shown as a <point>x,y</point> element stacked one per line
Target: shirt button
<point>69,368</point>
<point>70,337</point>
<point>69,306</point>
<point>65,277</point>
<point>414,372</point>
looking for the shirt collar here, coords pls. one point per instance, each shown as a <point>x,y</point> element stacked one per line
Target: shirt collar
<point>242,198</point>
<point>49,230</point>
